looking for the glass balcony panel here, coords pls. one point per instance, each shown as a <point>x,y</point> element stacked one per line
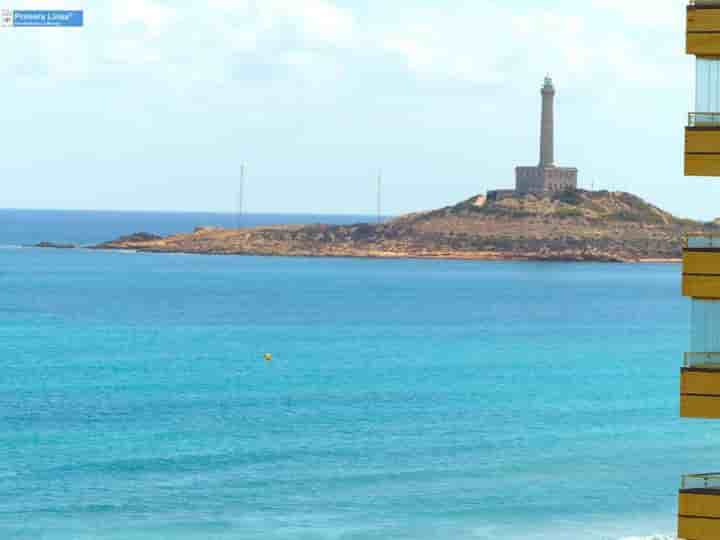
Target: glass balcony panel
<point>701,267</point>
<point>705,326</point>
<point>703,119</point>
<point>707,360</point>
<point>702,240</point>
<point>701,481</point>
<point>707,92</point>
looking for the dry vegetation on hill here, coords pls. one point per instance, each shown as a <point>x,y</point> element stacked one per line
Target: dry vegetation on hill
<point>570,225</point>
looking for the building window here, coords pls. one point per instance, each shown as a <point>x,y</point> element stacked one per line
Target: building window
<point>707,91</point>
<point>705,325</point>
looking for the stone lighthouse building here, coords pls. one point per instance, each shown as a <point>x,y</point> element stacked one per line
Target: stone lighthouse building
<point>547,176</point>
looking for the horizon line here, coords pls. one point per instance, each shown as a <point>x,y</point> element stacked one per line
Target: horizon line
<point>215,212</point>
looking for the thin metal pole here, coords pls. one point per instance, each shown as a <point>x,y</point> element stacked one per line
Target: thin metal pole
<point>241,194</point>
<point>379,197</point>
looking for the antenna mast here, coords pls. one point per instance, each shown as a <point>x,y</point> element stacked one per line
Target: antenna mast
<point>379,197</point>
<point>241,194</point>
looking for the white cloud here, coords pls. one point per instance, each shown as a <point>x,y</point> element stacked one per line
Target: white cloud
<point>318,21</point>
<point>604,43</point>
<point>653,13</point>
<point>155,18</point>
<point>476,43</point>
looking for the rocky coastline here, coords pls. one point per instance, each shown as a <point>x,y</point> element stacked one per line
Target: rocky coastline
<point>569,226</point>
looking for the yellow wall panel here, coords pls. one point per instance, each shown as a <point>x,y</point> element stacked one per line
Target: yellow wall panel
<point>691,504</point>
<point>698,528</point>
<point>703,44</point>
<point>703,20</point>
<point>701,286</point>
<point>698,262</point>
<point>699,407</point>
<point>703,140</point>
<point>702,164</point>
<point>700,382</point>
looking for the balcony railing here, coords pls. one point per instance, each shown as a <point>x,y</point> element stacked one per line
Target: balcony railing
<point>708,360</point>
<point>703,240</point>
<point>701,481</point>
<point>702,119</point>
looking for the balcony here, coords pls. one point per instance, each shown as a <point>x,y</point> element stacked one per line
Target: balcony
<point>700,386</point>
<point>702,145</point>
<point>699,507</point>
<point>703,28</point>
<point>700,391</point>
<point>700,375</point>
<point>704,119</point>
<point>701,266</point>
<point>702,360</point>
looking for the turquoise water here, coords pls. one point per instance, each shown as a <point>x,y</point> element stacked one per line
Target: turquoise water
<point>406,399</point>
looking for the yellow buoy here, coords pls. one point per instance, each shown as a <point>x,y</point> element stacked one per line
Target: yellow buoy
<point>268,357</point>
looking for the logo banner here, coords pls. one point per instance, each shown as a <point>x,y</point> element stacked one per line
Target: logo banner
<point>35,18</point>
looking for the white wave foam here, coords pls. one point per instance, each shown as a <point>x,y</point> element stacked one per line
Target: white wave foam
<point>651,537</point>
<point>490,532</point>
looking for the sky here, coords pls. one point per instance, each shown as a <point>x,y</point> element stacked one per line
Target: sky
<point>154,104</point>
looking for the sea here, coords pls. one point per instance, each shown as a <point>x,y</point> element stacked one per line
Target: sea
<point>405,399</point>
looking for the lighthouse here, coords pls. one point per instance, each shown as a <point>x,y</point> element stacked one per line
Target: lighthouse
<point>547,175</point>
<point>547,125</point>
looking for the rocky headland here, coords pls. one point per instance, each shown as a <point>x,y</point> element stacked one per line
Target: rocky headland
<point>573,225</point>
<point>56,245</point>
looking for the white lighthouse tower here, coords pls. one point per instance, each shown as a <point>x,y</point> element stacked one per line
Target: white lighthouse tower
<point>547,125</point>
<point>547,176</point>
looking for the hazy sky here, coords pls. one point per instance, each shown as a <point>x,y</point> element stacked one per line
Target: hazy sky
<point>155,104</point>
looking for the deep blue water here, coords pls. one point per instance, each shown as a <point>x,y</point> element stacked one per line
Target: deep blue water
<point>411,400</point>
<point>82,227</point>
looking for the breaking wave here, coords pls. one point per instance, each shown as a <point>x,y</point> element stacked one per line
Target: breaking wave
<point>652,537</point>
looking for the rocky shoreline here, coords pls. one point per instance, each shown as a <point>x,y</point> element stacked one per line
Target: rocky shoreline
<point>345,242</point>
<point>577,226</point>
